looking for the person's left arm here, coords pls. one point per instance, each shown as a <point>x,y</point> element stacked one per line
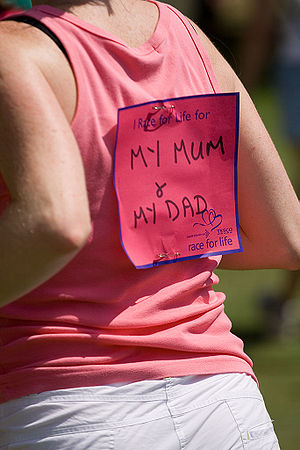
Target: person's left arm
<point>269,211</point>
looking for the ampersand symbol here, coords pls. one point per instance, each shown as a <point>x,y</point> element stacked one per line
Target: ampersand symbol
<point>159,191</point>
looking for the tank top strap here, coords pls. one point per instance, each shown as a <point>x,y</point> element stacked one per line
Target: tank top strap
<point>41,26</point>
<point>199,47</point>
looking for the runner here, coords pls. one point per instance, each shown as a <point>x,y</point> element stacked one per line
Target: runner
<point>119,124</point>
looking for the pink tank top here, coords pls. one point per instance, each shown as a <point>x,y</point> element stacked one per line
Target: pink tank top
<point>100,320</point>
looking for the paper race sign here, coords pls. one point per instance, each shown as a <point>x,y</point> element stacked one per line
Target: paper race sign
<point>175,176</point>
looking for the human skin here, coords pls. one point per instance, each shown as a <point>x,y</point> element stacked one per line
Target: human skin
<point>48,220</point>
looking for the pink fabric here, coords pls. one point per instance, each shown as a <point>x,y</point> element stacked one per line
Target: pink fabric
<point>100,320</point>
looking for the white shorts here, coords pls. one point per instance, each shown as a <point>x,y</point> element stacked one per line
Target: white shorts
<point>216,412</point>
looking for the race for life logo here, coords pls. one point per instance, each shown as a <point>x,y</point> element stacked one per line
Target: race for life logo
<point>175,176</point>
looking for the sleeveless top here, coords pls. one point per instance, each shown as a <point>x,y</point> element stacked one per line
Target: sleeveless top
<point>100,320</point>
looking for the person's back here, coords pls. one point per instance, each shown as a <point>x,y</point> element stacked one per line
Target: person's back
<point>119,316</point>
<point>182,323</point>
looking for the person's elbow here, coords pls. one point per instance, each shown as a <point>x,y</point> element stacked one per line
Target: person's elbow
<point>75,237</point>
<point>291,254</point>
<point>68,233</point>
<point>293,262</point>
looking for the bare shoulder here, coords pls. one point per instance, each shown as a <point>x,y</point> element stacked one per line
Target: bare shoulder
<point>27,52</point>
<point>20,49</point>
<point>227,78</point>
<point>21,40</point>
<point>17,70</point>
<point>18,37</point>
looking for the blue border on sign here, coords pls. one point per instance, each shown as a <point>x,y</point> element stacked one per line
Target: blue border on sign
<point>237,128</point>
<point>201,255</point>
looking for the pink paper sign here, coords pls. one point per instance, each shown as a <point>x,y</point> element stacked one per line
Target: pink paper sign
<point>175,176</point>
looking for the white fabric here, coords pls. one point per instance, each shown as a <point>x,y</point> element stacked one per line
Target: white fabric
<point>217,412</point>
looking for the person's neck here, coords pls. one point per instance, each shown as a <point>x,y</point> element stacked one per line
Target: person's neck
<point>132,21</point>
<point>69,5</point>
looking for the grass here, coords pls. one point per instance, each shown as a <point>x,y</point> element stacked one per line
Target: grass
<point>276,362</point>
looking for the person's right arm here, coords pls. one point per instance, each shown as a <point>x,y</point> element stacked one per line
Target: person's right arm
<point>48,220</point>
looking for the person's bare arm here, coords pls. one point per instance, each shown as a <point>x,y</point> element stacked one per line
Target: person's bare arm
<point>269,211</point>
<point>47,221</point>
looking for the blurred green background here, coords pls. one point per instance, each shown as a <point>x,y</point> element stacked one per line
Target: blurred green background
<point>262,305</point>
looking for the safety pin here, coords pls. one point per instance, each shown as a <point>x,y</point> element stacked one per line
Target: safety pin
<point>165,255</point>
<point>162,255</point>
<point>163,107</point>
